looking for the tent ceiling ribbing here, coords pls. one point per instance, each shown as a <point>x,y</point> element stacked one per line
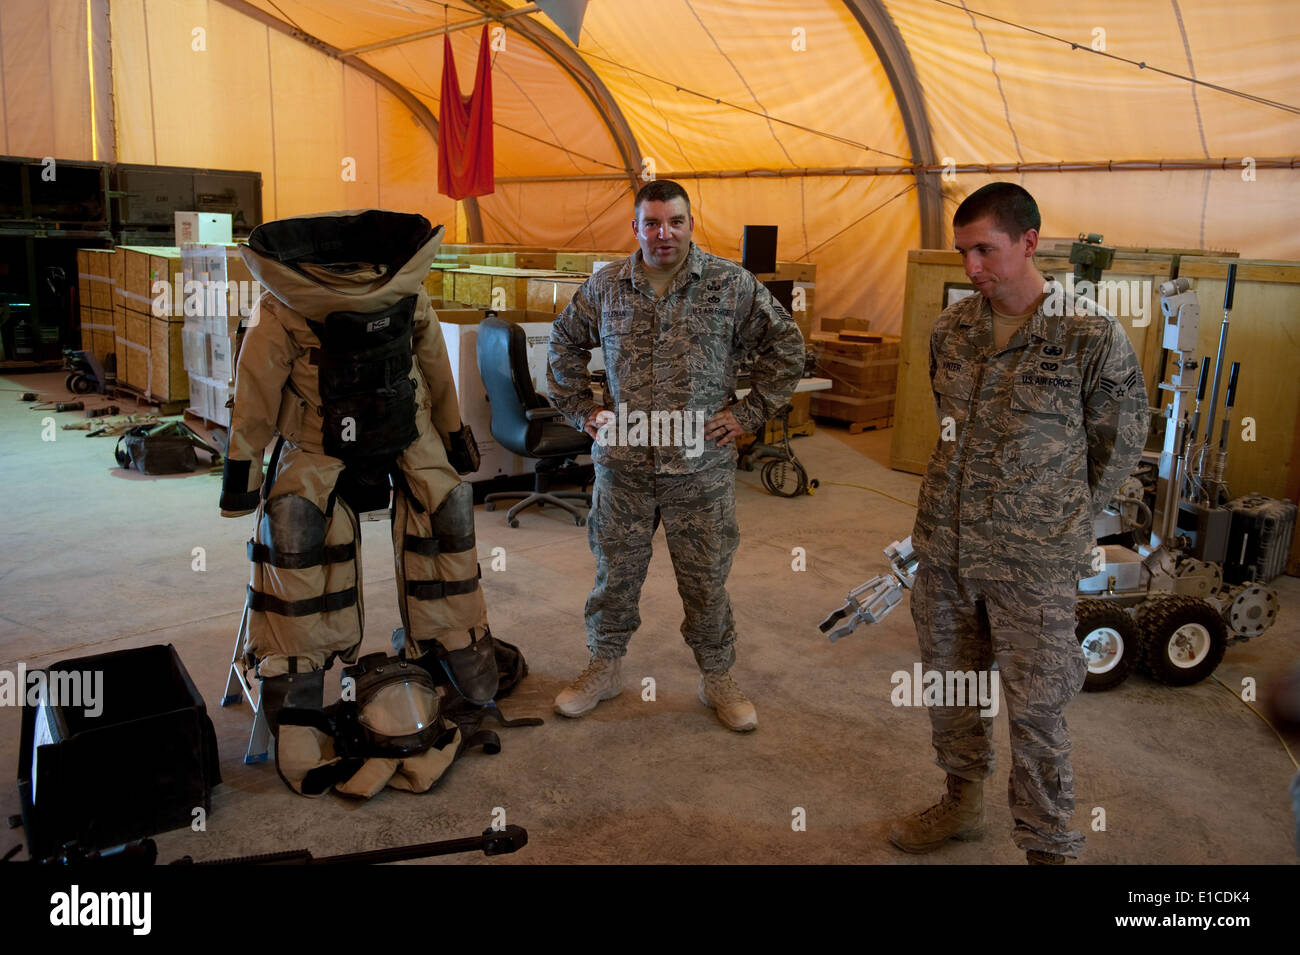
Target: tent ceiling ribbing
<point>796,94</point>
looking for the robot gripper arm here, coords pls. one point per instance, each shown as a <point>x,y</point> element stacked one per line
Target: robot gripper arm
<point>871,601</point>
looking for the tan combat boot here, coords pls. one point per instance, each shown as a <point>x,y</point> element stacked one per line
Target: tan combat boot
<point>601,680</point>
<point>720,691</point>
<point>1038,857</point>
<point>958,815</point>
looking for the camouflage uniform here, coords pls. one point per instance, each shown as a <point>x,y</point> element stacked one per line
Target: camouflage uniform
<point>675,353</point>
<point>1044,430</point>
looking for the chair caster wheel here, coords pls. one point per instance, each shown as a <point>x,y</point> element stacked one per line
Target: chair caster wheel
<point>489,506</point>
<point>580,521</point>
<point>514,522</point>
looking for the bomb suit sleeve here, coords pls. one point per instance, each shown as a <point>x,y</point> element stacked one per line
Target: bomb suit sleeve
<point>768,333</point>
<point>265,362</point>
<point>431,355</point>
<point>1116,413</point>
<point>574,333</point>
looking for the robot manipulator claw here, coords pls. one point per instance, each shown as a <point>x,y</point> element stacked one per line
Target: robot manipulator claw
<point>872,601</point>
<point>867,603</point>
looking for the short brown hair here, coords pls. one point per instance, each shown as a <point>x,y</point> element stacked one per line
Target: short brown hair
<point>660,190</point>
<point>1013,209</point>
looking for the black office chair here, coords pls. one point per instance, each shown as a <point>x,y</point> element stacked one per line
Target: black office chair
<point>523,422</point>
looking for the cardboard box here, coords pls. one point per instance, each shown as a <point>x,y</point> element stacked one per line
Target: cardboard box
<point>227,288</point>
<point>194,349</point>
<point>221,358</point>
<point>200,397</point>
<point>218,397</point>
<point>205,227</point>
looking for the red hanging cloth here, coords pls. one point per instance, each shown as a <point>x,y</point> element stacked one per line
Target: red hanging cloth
<point>465,128</point>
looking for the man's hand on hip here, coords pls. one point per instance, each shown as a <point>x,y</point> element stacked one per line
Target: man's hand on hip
<point>594,421</point>
<point>723,428</point>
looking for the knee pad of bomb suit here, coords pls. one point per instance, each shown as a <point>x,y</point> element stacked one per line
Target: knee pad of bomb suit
<point>292,525</point>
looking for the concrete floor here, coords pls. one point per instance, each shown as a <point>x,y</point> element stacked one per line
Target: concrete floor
<point>98,559</point>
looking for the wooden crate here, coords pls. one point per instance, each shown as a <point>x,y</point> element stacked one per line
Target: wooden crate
<point>438,286</point>
<point>863,376</point>
<point>119,328</point>
<point>97,331</point>
<point>858,369</point>
<point>94,281</point>
<point>551,295</point>
<point>790,272</point>
<point>168,380</point>
<point>859,413</point>
<point>510,260</point>
<point>584,262</point>
<point>471,288</point>
<point>133,354</point>
<point>509,291</point>
<point>141,267</point>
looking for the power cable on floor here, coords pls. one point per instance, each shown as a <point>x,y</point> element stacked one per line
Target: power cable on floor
<point>873,490</point>
<point>1245,703</point>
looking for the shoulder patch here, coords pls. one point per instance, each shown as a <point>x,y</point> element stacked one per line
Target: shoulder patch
<point>1119,389</point>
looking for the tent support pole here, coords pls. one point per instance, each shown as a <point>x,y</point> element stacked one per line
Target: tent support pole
<point>883,33</point>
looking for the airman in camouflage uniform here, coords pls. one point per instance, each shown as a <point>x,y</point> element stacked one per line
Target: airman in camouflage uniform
<point>672,323</point>
<point>1037,432</point>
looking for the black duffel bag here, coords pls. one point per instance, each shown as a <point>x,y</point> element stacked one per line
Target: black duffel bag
<point>165,447</point>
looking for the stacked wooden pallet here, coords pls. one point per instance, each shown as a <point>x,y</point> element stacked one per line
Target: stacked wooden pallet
<point>863,369</point>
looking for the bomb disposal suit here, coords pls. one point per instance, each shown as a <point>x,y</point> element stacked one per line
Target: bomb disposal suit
<point>344,359</point>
